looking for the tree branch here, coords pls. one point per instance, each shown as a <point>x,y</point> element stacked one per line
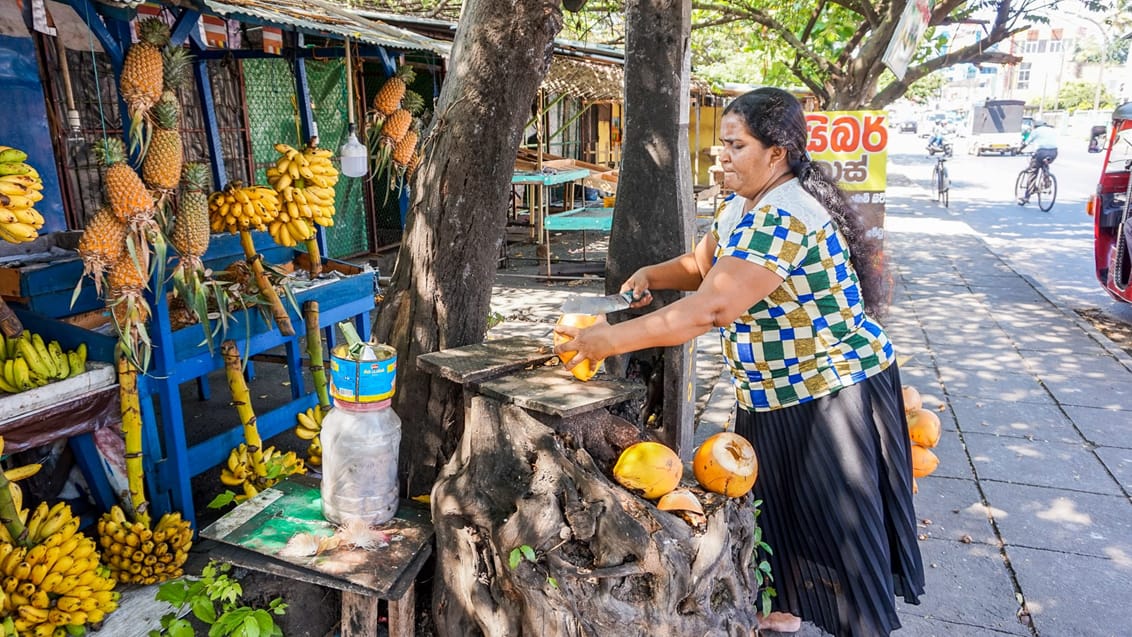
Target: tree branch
<point>760,17</point>
<point>861,7</point>
<point>973,54</point>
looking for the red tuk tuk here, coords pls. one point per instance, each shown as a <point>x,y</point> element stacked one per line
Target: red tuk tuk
<point>1110,209</point>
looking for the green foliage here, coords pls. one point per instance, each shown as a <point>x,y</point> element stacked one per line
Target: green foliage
<point>201,597</point>
<point>222,500</point>
<point>763,576</point>
<point>525,552</point>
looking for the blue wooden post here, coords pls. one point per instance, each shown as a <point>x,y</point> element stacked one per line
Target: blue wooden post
<point>208,112</point>
<point>303,96</point>
<point>185,26</point>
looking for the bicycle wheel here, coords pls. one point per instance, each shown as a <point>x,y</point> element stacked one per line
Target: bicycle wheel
<point>943,186</point>
<point>1047,193</point>
<point>1020,186</point>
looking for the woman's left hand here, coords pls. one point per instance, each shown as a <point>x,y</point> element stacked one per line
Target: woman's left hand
<point>593,343</point>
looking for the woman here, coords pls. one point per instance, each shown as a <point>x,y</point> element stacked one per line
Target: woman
<point>816,381</point>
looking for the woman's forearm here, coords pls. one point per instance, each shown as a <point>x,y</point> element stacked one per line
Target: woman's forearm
<point>671,325</point>
<point>680,273</point>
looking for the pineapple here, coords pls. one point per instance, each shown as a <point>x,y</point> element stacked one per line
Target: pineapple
<point>414,164</point>
<point>388,99</point>
<point>128,197</point>
<point>103,241</point>
<point>127,275</point>
<point>396,126</point>
<point>404,149</point>
<point>161,169</point>
<point>142,78</point>
<point>190,227</point>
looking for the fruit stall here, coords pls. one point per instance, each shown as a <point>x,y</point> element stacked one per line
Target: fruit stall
<point>160,224</point>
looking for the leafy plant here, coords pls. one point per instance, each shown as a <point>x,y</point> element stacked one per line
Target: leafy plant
<point>763,576</point>
<point>525,552</point>
<point>202,596</point>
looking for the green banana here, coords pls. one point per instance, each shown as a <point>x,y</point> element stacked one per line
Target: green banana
<point>12,155</point>
<point>44,355</point>
<point>35,363</point>
<point>7,387</point>
<point>16,168</point>
<point>22,374</point>
<point>75,363</point>
<point>59,360</point>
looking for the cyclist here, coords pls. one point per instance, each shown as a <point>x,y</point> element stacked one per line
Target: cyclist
<point>936,142</point>
<point>1044,139</point>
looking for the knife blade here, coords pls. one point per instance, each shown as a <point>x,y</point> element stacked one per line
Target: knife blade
<point>600,304</point>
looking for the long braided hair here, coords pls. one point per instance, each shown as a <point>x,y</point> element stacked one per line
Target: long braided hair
<point>775,118</point>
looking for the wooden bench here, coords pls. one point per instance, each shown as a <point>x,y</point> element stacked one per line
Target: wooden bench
<point>253,534</point>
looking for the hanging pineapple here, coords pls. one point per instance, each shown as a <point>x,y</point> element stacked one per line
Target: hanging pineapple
<point>103,241</point>
<point>128,197</point>
<point>142,77</point>
<point>388,98</point>
<point>398,137</point>
<point>161,169</point>
<point>190,226</point>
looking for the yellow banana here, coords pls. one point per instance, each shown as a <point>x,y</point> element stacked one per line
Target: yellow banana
<point>22,472</point>
<point>283,165</point>
<point>75,365</point>
<point>22,375</point>
<point>38,572</point>
<point>34,361</point>
<point>59,360</point>
<point>18,232</point>
<point>118,515</point>
<point>32,614</point>
<point>15,201</point>
<point>15,188</point>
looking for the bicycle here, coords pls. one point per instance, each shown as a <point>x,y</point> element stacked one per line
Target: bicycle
<point>941,180</point>
<point>1036,181</point>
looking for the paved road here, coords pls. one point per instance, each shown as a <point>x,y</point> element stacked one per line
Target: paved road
<point>1054,248</point>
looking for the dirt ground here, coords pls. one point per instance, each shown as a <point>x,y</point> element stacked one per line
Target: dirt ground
<point>1117,331</point>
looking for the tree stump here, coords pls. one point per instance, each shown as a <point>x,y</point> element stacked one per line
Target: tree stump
<point>605,562</point>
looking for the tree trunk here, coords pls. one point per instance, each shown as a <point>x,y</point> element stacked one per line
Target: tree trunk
<point>653,219</point>
<point>601,561</point>
<point>440,293</point>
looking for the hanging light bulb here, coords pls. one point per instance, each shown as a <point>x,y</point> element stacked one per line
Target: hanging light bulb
<point>353,154</point>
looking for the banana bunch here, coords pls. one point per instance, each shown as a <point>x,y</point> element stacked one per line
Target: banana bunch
<point>27,362</point>
<point>57,583</point>
<point>241,472</point>
<point>308,428</point>
<point>137,555</point>
<point>305,181</point>
<point>239,208</point>
<point>20,190</point>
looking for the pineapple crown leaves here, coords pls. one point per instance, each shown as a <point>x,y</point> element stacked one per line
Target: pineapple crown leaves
<point>109,151</point>
<point>405,73</point>
<point>195,177</point>
<point>166,112</point>
<point>153,31</point>
<point>175,64</point>
<point>413,102</point>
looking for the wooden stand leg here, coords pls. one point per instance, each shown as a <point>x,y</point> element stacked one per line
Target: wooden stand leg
<point>402,620</point>
<point>359,615</point>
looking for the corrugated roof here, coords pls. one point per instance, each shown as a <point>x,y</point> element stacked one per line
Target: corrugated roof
<point>584,80</point>
<point>327,17</point>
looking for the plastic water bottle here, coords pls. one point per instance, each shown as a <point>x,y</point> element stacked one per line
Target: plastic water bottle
<point>361,436</point>
<point>360,443</point>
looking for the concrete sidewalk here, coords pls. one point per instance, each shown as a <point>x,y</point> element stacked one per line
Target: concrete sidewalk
<point>1026,526</point>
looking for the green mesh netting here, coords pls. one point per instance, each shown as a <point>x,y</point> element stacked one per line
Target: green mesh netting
<point>273,117</point>
<point>349,234</point>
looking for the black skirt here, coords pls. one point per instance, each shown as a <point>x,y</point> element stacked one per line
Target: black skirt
<point>835,478</point>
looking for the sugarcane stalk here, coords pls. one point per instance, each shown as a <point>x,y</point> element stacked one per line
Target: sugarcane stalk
<point>315,257</point>
<point>132,430</point>
<point>242,400</point>
<point>9,511</point>
<point>314,351</point>
<point>255,261</point>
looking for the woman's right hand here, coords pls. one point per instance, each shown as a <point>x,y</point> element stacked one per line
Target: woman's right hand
<point>639,284</point>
